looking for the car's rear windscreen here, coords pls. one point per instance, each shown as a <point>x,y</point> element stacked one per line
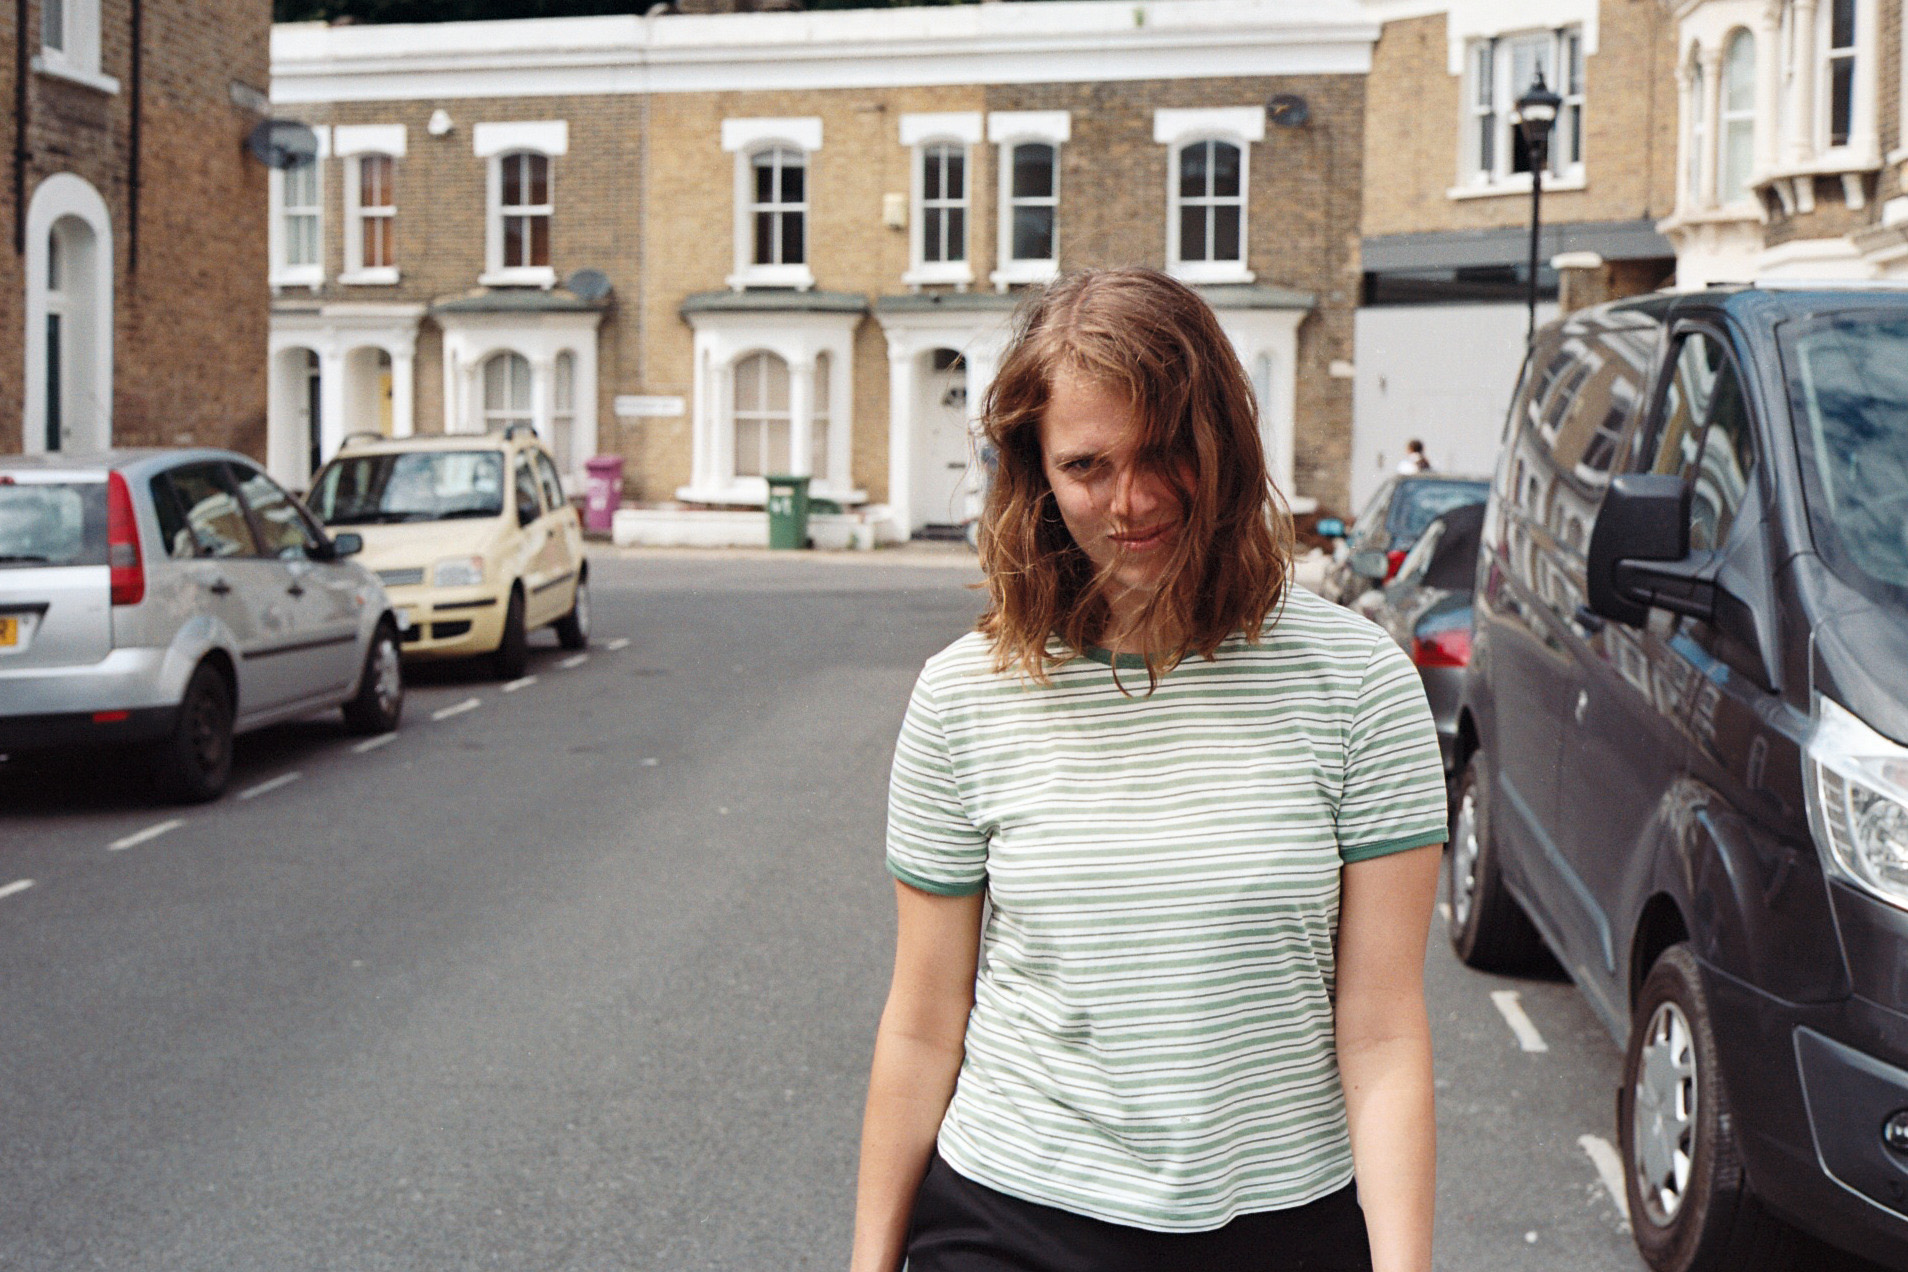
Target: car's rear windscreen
<point>1418,503</point>
<point>50,524</point>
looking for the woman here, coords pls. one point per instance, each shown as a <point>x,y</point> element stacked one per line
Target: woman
<point>1205,807</point>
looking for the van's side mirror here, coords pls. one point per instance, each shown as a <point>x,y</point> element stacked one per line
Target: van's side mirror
<point>1639,553</point>
<point>347,544</point>
<point>1330,528</point>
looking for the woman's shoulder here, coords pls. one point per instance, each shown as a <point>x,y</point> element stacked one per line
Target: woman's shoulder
<point>968,659</point>
<point>1303,614</point>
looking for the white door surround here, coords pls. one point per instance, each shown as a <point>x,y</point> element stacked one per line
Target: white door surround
<point>70,277</point>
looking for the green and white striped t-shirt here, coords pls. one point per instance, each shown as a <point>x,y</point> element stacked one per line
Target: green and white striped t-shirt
<point>1151,1041</point>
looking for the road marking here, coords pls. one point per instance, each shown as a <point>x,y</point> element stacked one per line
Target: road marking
<point>372,744</point>
<point>1444,911</point>
<point>141,836</point>
<point>468,704</point>
<point>574,660</point>
<point>1609,1170</point>
<point>651,762</point>
<point>521,682</point>
<point>621,642</point>
<point>18,885</point>
<point>266,788</point>
<point>1512,1011</point>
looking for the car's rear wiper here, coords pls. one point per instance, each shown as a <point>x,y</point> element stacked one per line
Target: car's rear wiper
<point>18,558</point>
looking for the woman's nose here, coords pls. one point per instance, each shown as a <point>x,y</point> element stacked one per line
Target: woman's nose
<point>1136,493</point>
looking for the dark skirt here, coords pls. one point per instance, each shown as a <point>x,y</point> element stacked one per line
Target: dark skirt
<point>961,1226</point>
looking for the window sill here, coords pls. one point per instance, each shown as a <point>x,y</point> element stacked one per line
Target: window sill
<point>796,276</point>
<point>1211,272</point>
<point>1748,212</point>
<point>523,276</point>
<point>299,276</point>
<point>1519,183</point>
<point>383,276</point>
<point>1017,272</point>
<point>91,79</point>
<point>956,274</point>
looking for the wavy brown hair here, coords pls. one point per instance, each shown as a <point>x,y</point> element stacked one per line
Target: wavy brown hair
<point>1138,334</point>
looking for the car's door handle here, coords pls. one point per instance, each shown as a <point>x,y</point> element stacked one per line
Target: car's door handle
<point>1586,618</point>
<point>218,587</point>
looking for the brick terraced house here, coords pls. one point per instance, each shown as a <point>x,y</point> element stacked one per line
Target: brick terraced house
<point>1447,204</point>
<point>725,246</point>
<point>132,308</point>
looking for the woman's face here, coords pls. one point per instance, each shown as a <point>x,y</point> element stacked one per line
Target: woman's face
<point>1124,514</point>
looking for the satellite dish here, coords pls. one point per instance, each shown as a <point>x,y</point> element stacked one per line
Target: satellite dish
<point>1288,110</point>
<point>589,284</point>
<point>283,143</point>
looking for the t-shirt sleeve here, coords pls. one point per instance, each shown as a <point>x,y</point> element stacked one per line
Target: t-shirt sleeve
<point>1393,798</point>
<point>932,843</point>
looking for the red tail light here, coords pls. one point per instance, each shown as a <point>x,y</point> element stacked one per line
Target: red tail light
<point>122,544</point>
<point>1394,559</point>
<point>1448,648</point>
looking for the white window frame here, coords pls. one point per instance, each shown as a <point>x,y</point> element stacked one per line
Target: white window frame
<point>1732,119</point>
<point>1008,130</point>
<point>1858,55</point>
<point>494,142</point>
<point>76,54</point>
<point>496,419</point>
<point>1176,129</point>
<point>354,143</point>
<point>923,134</point>
<point>282,272</point>
<point>1696,129</point>
<point>1500,107</point>
<point>746,138</point>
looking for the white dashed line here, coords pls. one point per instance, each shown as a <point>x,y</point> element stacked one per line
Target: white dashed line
<point>1609,1170</point>
<point>141,836</point>
<point>621,642</point>
<point>266,788</point>
<point>651,762</point>
<point>18,885</point>
<point>574,660</point>
<point>468,704</point>
<point>1444,911</point>
<point>1512,1011</point>
<point>372,744</point>
<point>521,682</point>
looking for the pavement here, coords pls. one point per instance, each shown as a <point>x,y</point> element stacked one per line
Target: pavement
<point>579,971</point>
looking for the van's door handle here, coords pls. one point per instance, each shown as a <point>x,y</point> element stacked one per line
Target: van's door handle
<point>1588,619</point>
<point>218,587</point>
<point>296,588</point>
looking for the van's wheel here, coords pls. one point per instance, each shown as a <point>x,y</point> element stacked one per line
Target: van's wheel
<point>1488,929</point>
<point>513,650</point>
<point>193,765</point>
<point>379,702</point>
<point>1690,1204</point>
<point>573,629</point>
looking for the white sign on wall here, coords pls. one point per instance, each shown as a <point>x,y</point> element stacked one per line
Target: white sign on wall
<point>639,406</point>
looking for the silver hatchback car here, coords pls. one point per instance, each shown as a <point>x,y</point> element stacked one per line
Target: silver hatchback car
<point>168,599</point>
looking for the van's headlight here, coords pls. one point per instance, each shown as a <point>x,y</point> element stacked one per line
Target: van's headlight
<point>458,572</point>
<point>1858,801</point>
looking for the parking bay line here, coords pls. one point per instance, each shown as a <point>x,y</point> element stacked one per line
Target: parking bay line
<point>468,704</point>
<point>141,836</point>
<point>266,788</point>
<point>18,885</point>
<point>574,660</point>
<point>372,744</point>
<point>621,642</point>
<point>1512,1011</point>
<point>1609,1169</point>
<point>521,682</point>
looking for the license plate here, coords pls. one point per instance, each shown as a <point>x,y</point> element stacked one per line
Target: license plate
<point>9,632</point>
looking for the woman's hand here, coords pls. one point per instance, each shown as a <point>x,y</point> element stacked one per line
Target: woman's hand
<point>918,1051</point>
<point>1384,1050</point>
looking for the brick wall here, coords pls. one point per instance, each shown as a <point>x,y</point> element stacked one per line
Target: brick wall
<point>190,305</point>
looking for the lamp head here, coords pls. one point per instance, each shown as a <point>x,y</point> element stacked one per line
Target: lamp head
<point>1537,114</point>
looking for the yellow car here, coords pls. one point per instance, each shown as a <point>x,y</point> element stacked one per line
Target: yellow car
<point>470,535</point>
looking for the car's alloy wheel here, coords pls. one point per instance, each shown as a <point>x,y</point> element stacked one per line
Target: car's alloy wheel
<point>1663,1113</point>
<point>1463,864</point>
<point>573,629</point>
<point>1488,929</point>
<point>379,702</point>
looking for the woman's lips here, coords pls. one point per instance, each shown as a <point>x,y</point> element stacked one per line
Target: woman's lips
<point>1142,540</point>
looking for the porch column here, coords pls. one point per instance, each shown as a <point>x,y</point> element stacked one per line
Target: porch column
<point>801,415</point>
<point>1711,106</point>
<point>1802,117</point>
<point>901,435</point>
<point>331,402</point>
<point>403,392</point>
<point>543,398</point>
<point>1768,86</point>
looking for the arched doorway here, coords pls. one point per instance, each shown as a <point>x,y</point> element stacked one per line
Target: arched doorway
<point>69,318</point>
<point>943,480</point>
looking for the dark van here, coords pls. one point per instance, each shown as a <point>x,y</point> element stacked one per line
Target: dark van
<point>1684,741</point>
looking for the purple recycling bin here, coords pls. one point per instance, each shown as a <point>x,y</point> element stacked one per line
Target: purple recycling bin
<point>605,491</point>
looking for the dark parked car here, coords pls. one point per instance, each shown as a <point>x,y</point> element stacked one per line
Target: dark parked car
<point>1377,543</point>
<point>1685,741</point>
<point>1427,609</point>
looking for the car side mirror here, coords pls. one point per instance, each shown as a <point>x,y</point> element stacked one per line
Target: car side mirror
<point>1371,564</point>
<point>347,544</point>
<point>1330,528</point>
<point>1639,553</point>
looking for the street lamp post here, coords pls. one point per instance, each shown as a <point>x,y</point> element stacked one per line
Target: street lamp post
<point>1536,115</point>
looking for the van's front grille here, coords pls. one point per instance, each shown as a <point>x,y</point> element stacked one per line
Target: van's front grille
<point>401,578</point>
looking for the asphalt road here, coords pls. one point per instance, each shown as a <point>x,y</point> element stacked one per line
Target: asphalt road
<point>577,973</point>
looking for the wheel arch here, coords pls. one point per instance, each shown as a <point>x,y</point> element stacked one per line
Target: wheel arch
<point>1660,925</point>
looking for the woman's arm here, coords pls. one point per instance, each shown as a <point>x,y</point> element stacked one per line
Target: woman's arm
<point>1384,1051</point>
<point>918,1050</point>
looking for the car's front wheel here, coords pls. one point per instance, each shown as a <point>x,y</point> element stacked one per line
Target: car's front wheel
<point>1690,1204</point>
<point>573,629</point>
<point>1488,929</point>
<point>379,702</point>
<point>513,651</point>
<point>194,763</point>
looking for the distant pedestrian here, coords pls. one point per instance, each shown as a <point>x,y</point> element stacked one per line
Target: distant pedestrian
<point>1415,460</point>
<point>1205,806</point>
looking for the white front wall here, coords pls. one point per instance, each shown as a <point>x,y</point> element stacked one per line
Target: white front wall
<point>1441,373</point>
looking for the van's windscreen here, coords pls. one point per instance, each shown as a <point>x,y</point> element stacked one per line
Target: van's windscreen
<point>1848,378</point>
<point>52,523</point>
<point>411,486</point>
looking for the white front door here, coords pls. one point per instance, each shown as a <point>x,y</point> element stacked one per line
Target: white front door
<point>943,473</point>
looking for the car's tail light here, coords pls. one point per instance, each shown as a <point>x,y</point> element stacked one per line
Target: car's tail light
<point>122,544</point>
<point>1448,648</point>
<point>1394,559</point>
